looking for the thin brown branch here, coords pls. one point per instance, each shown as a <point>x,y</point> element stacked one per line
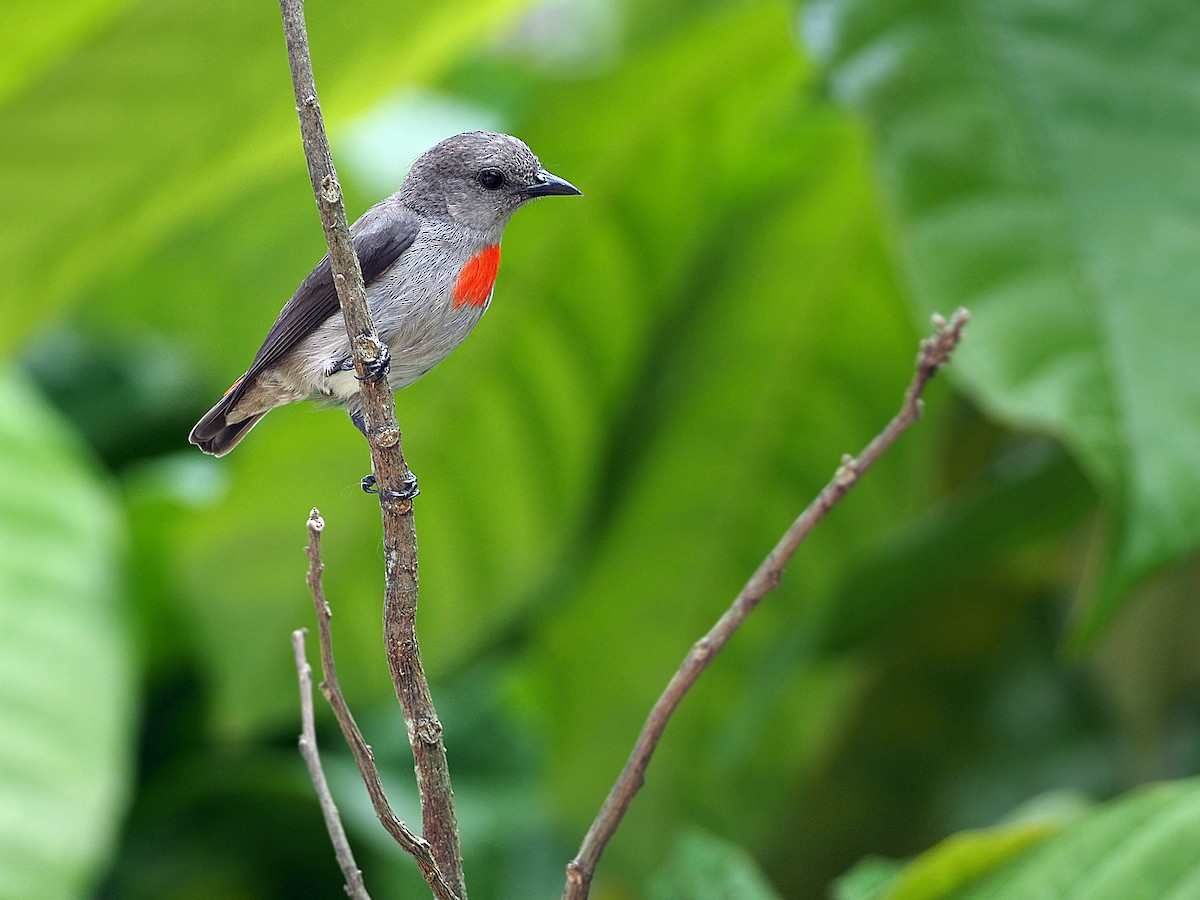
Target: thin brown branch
<point>363,756</point>
<point>439,824</point>
<point>935,352</point>
<point>312,758</point>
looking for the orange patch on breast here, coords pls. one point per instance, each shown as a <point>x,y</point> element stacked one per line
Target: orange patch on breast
<point>475,281</point>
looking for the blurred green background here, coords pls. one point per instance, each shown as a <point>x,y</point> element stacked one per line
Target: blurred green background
<point>997,630</point>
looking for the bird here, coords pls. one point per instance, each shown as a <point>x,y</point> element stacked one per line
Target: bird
<point>429,255</point>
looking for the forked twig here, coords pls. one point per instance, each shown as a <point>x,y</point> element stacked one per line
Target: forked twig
<point>415,845</point>
<point>934,353</point>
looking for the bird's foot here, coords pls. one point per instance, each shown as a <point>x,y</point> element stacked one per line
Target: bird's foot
<point>408,489</point>
<point>377,369</point>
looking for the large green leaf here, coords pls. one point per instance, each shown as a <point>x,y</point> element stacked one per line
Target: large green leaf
<point>961,859</point>
<point>1140,847</point>
<point>66,667</point>
<point>175,110</point>
<point>1039,159</point>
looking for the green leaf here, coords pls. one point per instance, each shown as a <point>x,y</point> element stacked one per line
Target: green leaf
<point>1039,160</point>
<point>960,859</point>
<point>66,672</point>
<point>1139,846</point>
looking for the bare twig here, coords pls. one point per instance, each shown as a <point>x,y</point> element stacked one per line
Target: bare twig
<point>935,353</point>
<point>439,825</point>
<point>363,756</point>
<point>312,758</point>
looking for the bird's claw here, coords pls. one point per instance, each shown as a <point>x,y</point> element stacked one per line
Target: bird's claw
<point>408,489</point>
<point>378,368</point>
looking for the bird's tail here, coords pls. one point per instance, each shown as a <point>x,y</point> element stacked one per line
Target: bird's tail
<point>214,433</point>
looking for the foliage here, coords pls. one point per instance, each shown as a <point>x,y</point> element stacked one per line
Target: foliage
<point>1137,846</point>
<point>1024,171</point>
<point>672,366</point>
<point>68,667</point>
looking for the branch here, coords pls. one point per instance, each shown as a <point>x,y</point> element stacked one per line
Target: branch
<point>439,825</point>
<point>363,756</point>
<point>935,353</point>
<point>312,758</point>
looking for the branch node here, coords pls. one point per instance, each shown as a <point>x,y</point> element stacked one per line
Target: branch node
<point>576,877</point>
<point>331,191</point>
<point>369,345</point>
<point>847,473</point>
<point>387,436</point>
<point>429,731</point>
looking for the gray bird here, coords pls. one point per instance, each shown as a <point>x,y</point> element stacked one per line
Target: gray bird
<point>429,256</point>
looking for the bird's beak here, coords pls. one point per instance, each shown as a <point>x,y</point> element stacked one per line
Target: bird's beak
<point>547,185</point>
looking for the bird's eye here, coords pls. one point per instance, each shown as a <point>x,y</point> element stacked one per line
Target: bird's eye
<point>492,179</point>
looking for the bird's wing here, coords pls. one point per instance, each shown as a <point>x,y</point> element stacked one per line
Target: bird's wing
<point>380,236</point>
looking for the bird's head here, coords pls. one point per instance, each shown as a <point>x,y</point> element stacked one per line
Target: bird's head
<point>479,179</point>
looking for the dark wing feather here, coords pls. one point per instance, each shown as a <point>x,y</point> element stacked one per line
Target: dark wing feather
<point>380,236</point>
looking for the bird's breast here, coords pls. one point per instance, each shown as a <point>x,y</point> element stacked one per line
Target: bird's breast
<point>474,284</point>
<point>430,300</point>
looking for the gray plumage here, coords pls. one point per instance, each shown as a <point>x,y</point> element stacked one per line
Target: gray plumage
<point>413,248</point>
